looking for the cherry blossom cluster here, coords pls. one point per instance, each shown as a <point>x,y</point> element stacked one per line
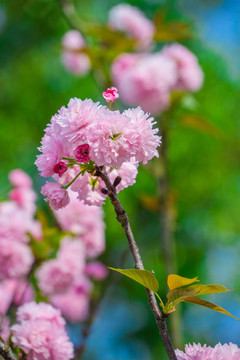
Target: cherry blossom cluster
<point>16,222</point>
<point>219,352</point>
<point>148,79</point>
<point>86,135</point>
<point>66,278</point>
<point>40,333</point>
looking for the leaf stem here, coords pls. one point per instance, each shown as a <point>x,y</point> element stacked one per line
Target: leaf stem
<point>71,182</point>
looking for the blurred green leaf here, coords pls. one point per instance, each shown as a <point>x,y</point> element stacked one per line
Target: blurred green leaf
<point>199,123</point>
<point>143,277</point>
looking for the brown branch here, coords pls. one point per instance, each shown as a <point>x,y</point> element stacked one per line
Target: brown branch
<point>6,352</point>
<point>122,217</point>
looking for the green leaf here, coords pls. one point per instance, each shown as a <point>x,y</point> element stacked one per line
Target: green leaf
<point>176,281</point>
<point>209,289</point>
<point>143,277</point>
<point>179,294</point>
<point>208,305</point>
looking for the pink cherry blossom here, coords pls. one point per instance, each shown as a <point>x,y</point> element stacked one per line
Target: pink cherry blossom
<point>74,304</point>
<point>226,352</point>
<point>96,270</point>
<point>56,195</point>
<point>76,63</point>
<point>16,259</point>
<point>18,178</point>
<point>190,75</point>
<point>145,80</point>
<point>111,94</point>
<point>219,352</point>
<point>52,152</point>
<point>74,60</point>
<point>131,20</point>
<point>128,173</point>
<point>24,292</point>
<point>81,153</point>
<point>73,40</point>
<point>146,139</point>
<point>25,198</point>
<point>41,311</point>
<point>84,221</point>
<point>39,336</point>
<point>60,168</point>
<point>110,139</point>
<point>58,275</point>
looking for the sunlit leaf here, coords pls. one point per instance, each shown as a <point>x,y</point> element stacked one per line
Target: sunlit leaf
<point>199,123</point>
<point>143,277</point>
<point>209,289</point>
<point>208,305</point>
<point>176,281</point>
<point>181,293</point>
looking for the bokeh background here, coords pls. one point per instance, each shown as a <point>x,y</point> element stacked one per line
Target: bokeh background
<point>204,166</point>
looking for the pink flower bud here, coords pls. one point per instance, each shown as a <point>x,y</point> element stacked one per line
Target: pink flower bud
<point>60,168</point>
<point>111,94</point>
<point>81,153</point>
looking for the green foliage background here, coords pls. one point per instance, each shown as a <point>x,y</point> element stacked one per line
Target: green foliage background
<point>204,169</point>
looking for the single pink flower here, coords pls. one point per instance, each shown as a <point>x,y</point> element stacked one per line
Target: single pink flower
<point>56,195</point>
<point>111,94</point>
<point>60,168</point>
<point>81,153</point>
<point>39,336</point>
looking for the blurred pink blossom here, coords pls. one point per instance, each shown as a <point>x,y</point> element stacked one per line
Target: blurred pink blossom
<point>130,19</point>
<point>16,259</point>
<point>111,94</point>
<point>74,304</point>
<point>18,178</point>
<point>58,275</point>
<point>96,270</point>
<point>190,75</point>
<point>73,59</point>
<point>84,221</point>
<point>145,80</point>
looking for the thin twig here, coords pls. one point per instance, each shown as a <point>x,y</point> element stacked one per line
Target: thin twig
<point>122,217</point>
